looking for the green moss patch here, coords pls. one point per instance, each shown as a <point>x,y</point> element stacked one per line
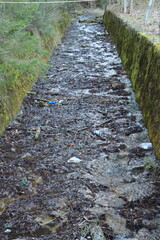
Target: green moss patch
<point>140,55</point>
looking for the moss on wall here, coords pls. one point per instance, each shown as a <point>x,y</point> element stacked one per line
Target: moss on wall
<point>17,82</point>
<point>141,58</point>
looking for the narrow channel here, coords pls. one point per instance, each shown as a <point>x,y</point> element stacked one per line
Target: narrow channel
<point>76,162</point>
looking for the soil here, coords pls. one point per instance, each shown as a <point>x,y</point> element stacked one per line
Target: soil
<point>71,159</point>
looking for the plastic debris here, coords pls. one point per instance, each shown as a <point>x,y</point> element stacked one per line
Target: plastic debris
<point>74,160</point>
<point>97,132</point>
<point>8,230</point>
<point>7,226</point>
<point>13,149</point>
<point>38,132</point>
<point>23,181</point>
<point>52,102</point>
<point>146,146</point>
<point>71,144</point>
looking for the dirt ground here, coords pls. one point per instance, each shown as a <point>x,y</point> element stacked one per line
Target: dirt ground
<point>74,162</point>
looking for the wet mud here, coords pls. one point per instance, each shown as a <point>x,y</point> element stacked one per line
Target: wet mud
<point>77,157</point>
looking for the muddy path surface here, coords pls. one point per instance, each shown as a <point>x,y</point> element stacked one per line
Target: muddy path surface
<point>73,161</point>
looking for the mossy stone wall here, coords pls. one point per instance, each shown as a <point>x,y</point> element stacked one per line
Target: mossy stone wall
<point>13,92</point>
<point>141,58</point>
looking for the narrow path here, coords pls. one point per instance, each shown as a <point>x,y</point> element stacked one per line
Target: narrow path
<point>75,156</point>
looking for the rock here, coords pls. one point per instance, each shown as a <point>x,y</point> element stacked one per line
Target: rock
<point>13,149</point>
<point>2,206</point>
<point>82,238</point>
<point>116,222</point>
<point>74,160</point>
<point>37,134</point>
<point>144,234</point>
<point>21,239</point>
<point>14,123</point>
<point>122,155</point>
<point>73,175</point>
<point>97,132</point>
<point>55,91</point>
<point>42,104</point>
<point>145,146</point>
<point>26,155</point>
<point>97,233</point>
<point>123,237</point>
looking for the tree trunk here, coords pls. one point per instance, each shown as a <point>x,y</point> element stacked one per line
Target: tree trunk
<point>124,6</point>
<point>148,10</point>
<point>131,5</point>
<point>159,25</point>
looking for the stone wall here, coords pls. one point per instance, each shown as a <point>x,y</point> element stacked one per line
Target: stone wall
<point>140,55</point>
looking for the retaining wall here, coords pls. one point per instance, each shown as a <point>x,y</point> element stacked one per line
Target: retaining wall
<point>140,55</point>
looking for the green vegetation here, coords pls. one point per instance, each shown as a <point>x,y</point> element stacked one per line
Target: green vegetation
<point>141,58</point>
<point>149,165</point>
<point>28,33</point>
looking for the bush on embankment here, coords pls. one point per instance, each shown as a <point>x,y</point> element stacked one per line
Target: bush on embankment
<point>28,33</point>
<point>141,58</point>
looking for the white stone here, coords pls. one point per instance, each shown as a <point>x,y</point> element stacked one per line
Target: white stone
<point>74,160</point>
<point>124,238</point>
<point>146,146</point>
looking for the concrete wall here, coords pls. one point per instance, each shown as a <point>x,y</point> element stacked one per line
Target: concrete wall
<point>141,58</point>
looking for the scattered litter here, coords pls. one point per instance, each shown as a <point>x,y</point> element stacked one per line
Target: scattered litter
<point>74,160</point>
<point>26,155</point>
<point>61,69</point>
<point>38,132</point>
<point>52,102</point>
<point>13,149</point>
<point>8,230</point>
<point>7,226</point>
<point>71,144</point>
<point>56,138</point>
<point>55,91</point>
<point>83,46</point>
<point>23,181</point>
<point>40,99</point>
<point>61,101</point>
<point>146,146</point>
<point>32,93</point>
<point>97,132</point>
<point>42,104</point>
